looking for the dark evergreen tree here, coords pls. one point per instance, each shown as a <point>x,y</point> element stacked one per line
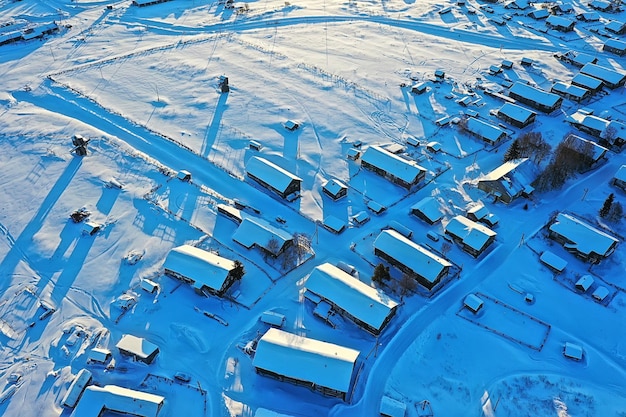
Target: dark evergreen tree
<point>513,152</point>
<point>606,207</point>
<point>381,273</point>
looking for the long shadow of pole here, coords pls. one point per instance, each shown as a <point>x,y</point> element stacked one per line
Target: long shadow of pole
<point>21,245</point>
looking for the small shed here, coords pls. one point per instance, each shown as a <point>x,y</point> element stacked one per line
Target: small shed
<point>419,88</point>
<point>615,46</point>
<point>273,319</point>
<point>440,74</point>
<point>600,294</point>
<point>527,62</point>
<point>99,355</point>
<point>390,407</point>
<point>573,351</point>
<point>149,286</point>
<point>334,224</point>
<point>552,261</point>
<point>360,218</point>
<point>506,64</point>
<point>473,303</point>
<point>375,207</point>
<point>291,125</point>
<point>335,189</point>
<point>91,228</point>
<point>619,179</point>
<point>433,146</point>
<point>184,175</point>
<point>353,154</point>
<point>584,283</point>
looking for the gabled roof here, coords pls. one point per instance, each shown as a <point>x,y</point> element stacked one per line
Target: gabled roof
<point>570,89</point>
<point>367,304</point>
<point>621,173</point>
<point>429,207</point>
<point>118,399</point>
<point>615,26</point>
<point>602,73</point>
<point>473,234</point>
<point>203,267</point>
<point>304,359</point>
<point>270,173</point>
<point>588,81</point>
<point>256,231</point>
<point>513,175</point>
<point>537,95</point>
<point>137,346</point>
<point>415,257</point>
<point>584,237</point>
<point>406,170</point>
<point>555,20</point>
<point>484,129</point>
<point>516,112</point>
<point>333,186</point>
<point>581,145</point>
<point>615,44</point>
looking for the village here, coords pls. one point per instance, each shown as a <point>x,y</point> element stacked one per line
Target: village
<point>198,242</point>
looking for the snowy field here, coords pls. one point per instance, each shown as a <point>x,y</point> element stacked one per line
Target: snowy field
<point>143,85</point>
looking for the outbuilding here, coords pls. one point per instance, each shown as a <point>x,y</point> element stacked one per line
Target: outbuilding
<point>584,283</point>
<point>586,81</point>
<point>483,130</point>
<point>619,179</point>
<point>570,91</point>
<point>573,351</point>
<point>552,261</point>
<point>509,181</point>
<point>473,303</point>
<point>427,209</point>
<point>560,23</point>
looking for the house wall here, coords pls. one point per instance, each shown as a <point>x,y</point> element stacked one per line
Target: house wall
<point>496,188</point>
<point>293,186</point>
<point>324,390</point>
<point>516,122</point>
<point>616,51</point>
<point>619,183</point>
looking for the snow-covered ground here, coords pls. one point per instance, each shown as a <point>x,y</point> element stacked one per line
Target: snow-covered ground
<point>142,83</point>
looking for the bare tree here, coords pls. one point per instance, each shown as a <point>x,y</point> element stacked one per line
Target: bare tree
<point>408,284</point>
<point>271,248</point>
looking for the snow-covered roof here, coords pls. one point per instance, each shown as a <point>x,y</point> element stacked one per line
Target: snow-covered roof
<point>539,13</point>
<point>615,44</point>
<point>117,399</point>
<point>478,210</point>
<point>553,261</point>
<point>584,237</point>
<point>603,73</point>
<point>570,89</point>
<point>76,388</point>
<point>334,186</point>
<point>601,293</point>
<point>203,267</point>
<point>367,304</point>
<point>615,26</point>
<point>304,359</point>
<point>516,112</point>
<point>406,170</point>
<point>270,173</point>
<point>137,346</point>
<point>573,351</point>
<point>621,173</point>
<point>391,407</point>
<point>473,234</point>
<point>473,302</point>
<point>560,21</point>
<point>429,207</point>
<point>513,175</point>
<point>587,81</point>
<point>585,282</point>
<point>535,94</point>
<point>334,223</point>
<point>256,231</point>
<point>579,58</point>
<point>419,259</point>
<point>578,143</point>
<point>264,412</point>
<point>99,354</point>
<point>484,129</point>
